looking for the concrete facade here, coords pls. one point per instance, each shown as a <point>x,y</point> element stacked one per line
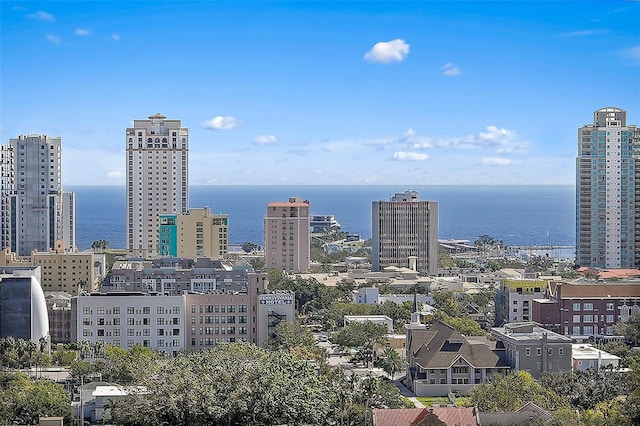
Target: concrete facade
<point>35,211</point>
<point>157,179</point>
<point>274,308</point>
<point>196,233</point>
<point>225,316</point>
<point>534,349</point>
<point>62,270</point>
<point>287,236</point>
<point>607,166</point>
<point>405,233</point>
<point>128,319</point>
<point>175,276</point>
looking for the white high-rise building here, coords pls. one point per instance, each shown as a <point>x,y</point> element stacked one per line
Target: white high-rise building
<point>607,192</point>
<point>404,233</point>
<point>157,179</point>
<point>35,212</point>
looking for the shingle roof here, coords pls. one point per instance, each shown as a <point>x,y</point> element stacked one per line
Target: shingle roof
<point>441,346</point>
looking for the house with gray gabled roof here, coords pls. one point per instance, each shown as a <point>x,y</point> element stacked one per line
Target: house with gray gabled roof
<point>441,360</point>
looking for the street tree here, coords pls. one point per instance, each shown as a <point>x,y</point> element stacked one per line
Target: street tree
<point>512,391</point>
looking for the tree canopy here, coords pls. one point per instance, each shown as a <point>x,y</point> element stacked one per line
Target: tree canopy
<point>238,384</point>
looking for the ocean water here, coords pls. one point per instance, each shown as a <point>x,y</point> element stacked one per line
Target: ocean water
<point>518,215</point>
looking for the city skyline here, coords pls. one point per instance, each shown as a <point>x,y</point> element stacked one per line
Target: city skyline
<point>421,93</point>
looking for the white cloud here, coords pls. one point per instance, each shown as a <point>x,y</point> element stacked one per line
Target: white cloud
<point>409,156</point>
<point>221,123</point>
<point>501,141</point>
<point>42,16</point>
<point>388,51</point>
<point>115,36</point>
<point>495,161</point>
<point>450,70</point>
<point>81,32</point>
<point>265,139</point>
<point>53,38</point>
<point>115,174</point>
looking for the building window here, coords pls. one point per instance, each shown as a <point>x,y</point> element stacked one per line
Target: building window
<point>146,310</point>
<point>130,310</point>
<point>160,321</point>
<point>528,351</point>
<point>609,306</point>
<point>576,318</point>
<point>538,351</point>
<point>116,310</point>
<point>160,310</point>
<point>116,321</point>
<point>86,311</point>
<point>100,310</point>
<point>588,306</point>
<point>576,306</point>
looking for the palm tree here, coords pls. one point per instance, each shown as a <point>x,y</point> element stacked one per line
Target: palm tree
<point>84,348</point>
<point>21,350</point>
<point>391,362</point>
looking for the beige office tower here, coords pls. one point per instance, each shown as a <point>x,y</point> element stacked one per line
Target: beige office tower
<point>157,179</point>
<point>286,235</point>
<point>196,233</point>
<point>405,233</point>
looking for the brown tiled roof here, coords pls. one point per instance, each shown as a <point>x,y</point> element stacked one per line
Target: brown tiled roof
<point>415,416</point>
<point>396,416</point>
<point>599,290</point>
<point>442,345</point>
<point>456,415</point>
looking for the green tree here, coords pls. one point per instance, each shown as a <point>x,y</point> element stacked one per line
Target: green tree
<point>390,362</point>
<point>23,401</point>
<point>512,391</point>
<point>630,329</point>
<point>585,389</point>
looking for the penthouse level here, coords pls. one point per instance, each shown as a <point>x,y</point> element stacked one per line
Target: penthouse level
<point>174,276</point>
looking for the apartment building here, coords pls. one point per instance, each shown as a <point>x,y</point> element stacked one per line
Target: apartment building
<point>586,310</point>
<point>35,211</point>
<point>514,298</point>
<point>61,270</point>
<point>196,233</point>
<point>287,236</point>
<point>128,319</point>
<point>607,193</point>
<point>405,233</point>
<point>157,179</point>
<point>175,276</point>
<point>534,349</point>
<point>224,315</point>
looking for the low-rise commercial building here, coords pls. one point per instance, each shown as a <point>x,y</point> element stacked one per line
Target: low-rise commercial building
<point>585,357</point>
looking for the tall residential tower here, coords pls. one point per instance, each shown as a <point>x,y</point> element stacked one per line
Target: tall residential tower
<point>607,177</point>
<point>35,213</point>
<point>405,233</point>
<point>286,235</point>
<point>157,179</point>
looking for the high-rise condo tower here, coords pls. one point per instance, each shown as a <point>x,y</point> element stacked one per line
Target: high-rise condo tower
<point>157,179</point>
<point>607,190</point>
<point>35,213</point>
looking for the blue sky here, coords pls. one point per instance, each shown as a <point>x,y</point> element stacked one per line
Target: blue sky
<point>406,93</point>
